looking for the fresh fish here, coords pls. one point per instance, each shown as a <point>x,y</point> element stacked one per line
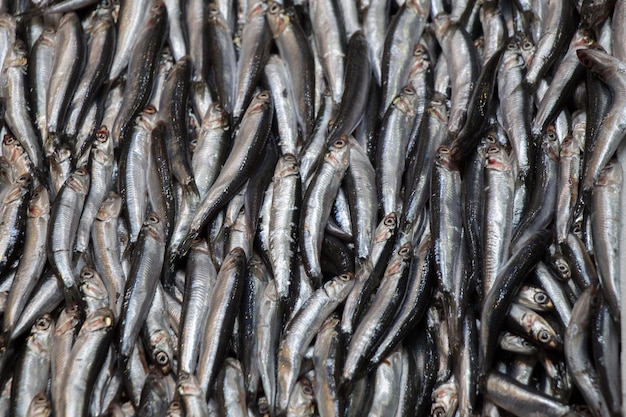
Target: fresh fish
<point>143,277</point>
<point>246,149</point>
<point>302,329</point>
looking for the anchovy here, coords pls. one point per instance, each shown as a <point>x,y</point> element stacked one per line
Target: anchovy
<point>283,224</point>
<point>132,17</point>
<point>302,329</point>
<point>577,354</point>
<point>69,60</point>
<point>255,45</point>
<point>605,229</point>
<point>143,277</point>
<point>223,307</point>
<point>294,49</point>
<point>33,367</point>
<point>367,336</point>
<point>100,49</point>
<point>403,33</point>
<point>91,346</point>
<point>13,90</point>
<point>141,69</point>
<point>101,182</point>
<point>317,205</point>
<point>247,146</point>
<point>356,90</point>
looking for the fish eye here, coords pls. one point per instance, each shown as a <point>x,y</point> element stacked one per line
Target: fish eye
<point>438,412</point>
<point>152,219</point>
<point>404,250</point>
<point>102,136</point>
<point>408,90</point>
<point>563,267</point>
<point>492,150</point>
<point>42,324</point>
<point>41,398</point>
<point>175,405</point>
<point>274,8</point>
<point>527,45</point>
<point>339,143</point>
<point>307,390</point>
<point>345,277</point>
<point>390,221</point>
<point>161,358</point>
<point>444,150</point>
<point>544,336</point>
<point>264,95</point>
<point>86,274</point>
<point>511,46</point>
<point>81,171</point>
<point>9,139</point>
<point>24,179</point>
<point>540,298</point>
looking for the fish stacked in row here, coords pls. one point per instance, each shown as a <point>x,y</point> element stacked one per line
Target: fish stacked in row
<point>332,207</point>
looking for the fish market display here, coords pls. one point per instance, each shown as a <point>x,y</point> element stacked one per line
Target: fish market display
<point>334,208</point>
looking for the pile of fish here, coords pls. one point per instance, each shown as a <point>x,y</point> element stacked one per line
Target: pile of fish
<point>322,207</point>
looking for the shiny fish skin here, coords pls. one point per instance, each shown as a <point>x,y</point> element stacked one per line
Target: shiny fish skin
<point>606,200</point>
<point>99,56</point>
<point>218,305</point>
<point>283,225</point>
<point>101,181</point>
<point>103,237</point>
<point>246,149</point>
<point>33,368</point>
<point>64,221</point>
<point>316,205</point>
<point>497,213</point>
<point>69,59</point>
<point>367,335</point>
<point>403,33</point>
<point>13,86</point>
<point>13,215</point>
<point>201,275</point>
<point>514,396</point>
<point>39,72</point>
<point>577,355</point>
<point>141,285</point>
<point>330,40</point>
<point>392,147</point>
<point>609,136</point>
<point>222,56</point>
<point>294,49</point>
<point>93,342</point>
<point>299,333</point>
<point>225,301</point>
<point>141,69</point>
<point>356,89</point>
<point>31,265</point>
